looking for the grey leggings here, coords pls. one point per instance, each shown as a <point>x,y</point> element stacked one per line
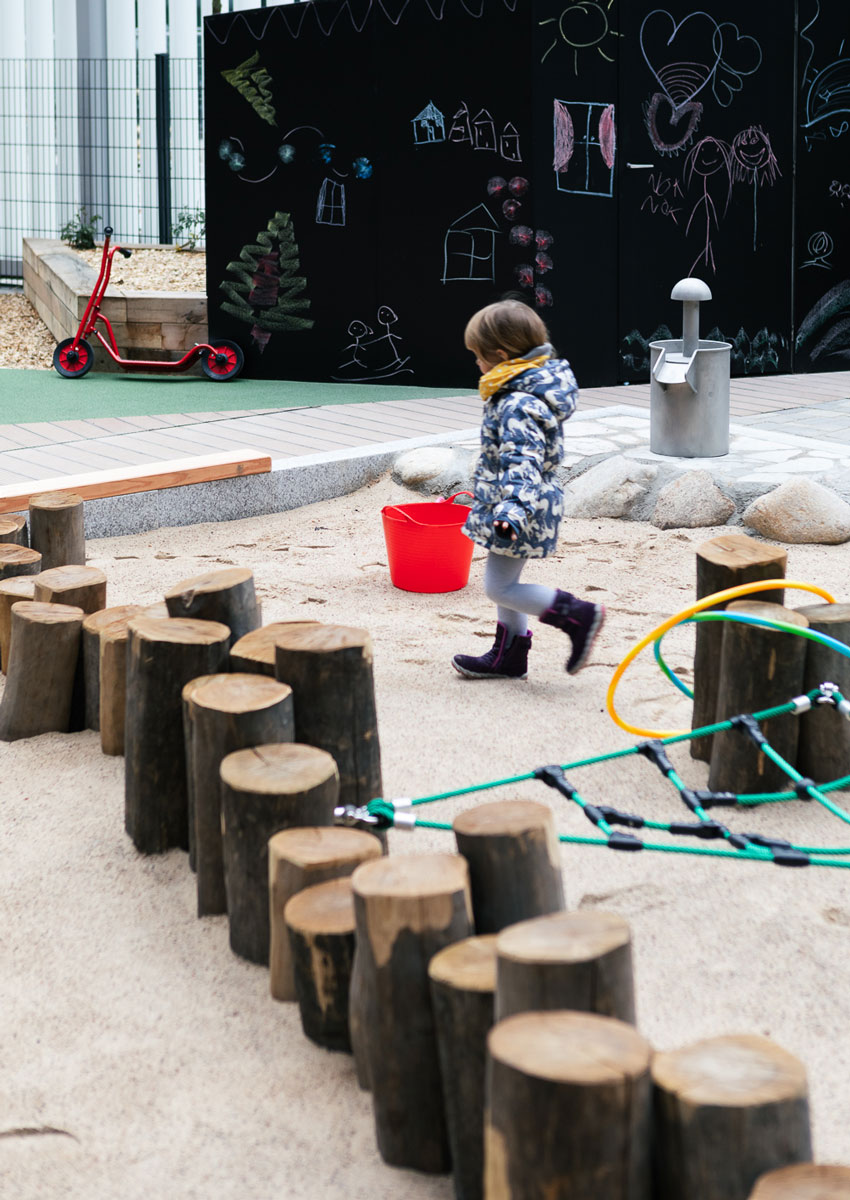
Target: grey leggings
<point>512,598</point>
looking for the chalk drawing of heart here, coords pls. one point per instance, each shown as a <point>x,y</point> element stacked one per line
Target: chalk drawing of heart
<point>661,106</point>
<point>682,56</point>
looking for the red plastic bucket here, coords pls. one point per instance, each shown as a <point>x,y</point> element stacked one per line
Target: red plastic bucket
<point>426,549</point>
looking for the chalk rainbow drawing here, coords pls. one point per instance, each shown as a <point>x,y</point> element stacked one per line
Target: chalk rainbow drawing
<point>685,57</point>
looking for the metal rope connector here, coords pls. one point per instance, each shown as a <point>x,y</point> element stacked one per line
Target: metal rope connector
<point>827,693</point>
<point>353,816</point>
<point>802,703</point>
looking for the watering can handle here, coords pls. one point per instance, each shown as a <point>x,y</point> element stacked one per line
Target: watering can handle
<point>442,500</point>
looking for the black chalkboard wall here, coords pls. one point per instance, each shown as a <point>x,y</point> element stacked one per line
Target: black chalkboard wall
<point>377,170</point>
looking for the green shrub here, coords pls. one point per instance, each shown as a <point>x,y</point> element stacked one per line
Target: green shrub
<point>189,227</point>
<point>79,231</point>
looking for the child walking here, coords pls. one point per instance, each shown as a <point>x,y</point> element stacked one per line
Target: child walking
<point>528,393</point>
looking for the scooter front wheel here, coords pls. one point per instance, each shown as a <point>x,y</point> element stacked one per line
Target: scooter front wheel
<point>225,362</point>
<point>73,362</point>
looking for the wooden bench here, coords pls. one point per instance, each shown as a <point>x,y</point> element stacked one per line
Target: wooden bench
<point>149,477</point>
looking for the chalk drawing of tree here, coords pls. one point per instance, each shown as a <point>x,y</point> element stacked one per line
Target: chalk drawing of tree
<point>266,291</point>
<point>253,84</point>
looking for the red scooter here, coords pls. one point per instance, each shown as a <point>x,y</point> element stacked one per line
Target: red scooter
<point>73,358</point>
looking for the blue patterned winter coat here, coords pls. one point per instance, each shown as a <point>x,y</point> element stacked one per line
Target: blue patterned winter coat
<point>521,445</point>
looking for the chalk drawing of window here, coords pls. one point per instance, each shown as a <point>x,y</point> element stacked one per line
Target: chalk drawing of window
<point>429,126</point>
<point>460,130</point>
<point>469,249</point>
<point>330,207</point>
<point>483,131</point>
<point>585,145</point>
<point>509,143</point>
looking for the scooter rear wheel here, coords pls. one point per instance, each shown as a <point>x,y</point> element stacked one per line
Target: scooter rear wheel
<point>73,363</point>
<point>225,362</point>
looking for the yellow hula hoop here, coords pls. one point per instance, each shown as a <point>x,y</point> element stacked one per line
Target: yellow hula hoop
<point>743,589</point>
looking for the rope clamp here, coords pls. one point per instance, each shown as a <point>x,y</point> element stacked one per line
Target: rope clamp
<point>555,778</point>
<point>747,724</point>
<point>827,693</point>
<point>803,703</point>
<point>404,820</point>
<point>358,817</point>
<point>801,787</point>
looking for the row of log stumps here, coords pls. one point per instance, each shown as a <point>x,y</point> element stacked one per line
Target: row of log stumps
<point>742,668</point>
<point>494,1029</point>
<point>46,592</point>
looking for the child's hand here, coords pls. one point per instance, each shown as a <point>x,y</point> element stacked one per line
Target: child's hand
<point>504,531</point>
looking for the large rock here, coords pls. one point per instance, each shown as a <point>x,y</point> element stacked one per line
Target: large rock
<point>690,502</point>
<point>610,489</point>
<point>438,470</point>
<point>800,510</point>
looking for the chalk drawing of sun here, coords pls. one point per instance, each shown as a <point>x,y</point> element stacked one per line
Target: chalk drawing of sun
<point>582,25</point>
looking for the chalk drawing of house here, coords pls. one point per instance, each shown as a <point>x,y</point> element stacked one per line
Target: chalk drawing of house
<point>509,143</point>
<point>483,131</point>
<point>429,126</point>
<point>469,248</point>
<point>460,130</point>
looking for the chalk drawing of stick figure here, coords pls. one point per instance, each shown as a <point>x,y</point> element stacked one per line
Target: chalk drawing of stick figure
<point>753,161</point>
<point>708,159</point>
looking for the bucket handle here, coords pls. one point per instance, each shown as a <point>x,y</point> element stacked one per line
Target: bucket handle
<point>395,509</point>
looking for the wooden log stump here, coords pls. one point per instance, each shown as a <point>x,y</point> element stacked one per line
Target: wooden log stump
<point>11,591</point>
<point>407,908</point>
<point>13,528</point>
<point>57,528</point>
<point>329,668</point>
<point>227,596</point>
<point>301,858</point>
<point>568,1109</point>
<point>264,790</point>
<point>92,626</point>
<point>320,922</point>
<point>804,1181</point>
<point>222,714</point>
<point>463,982</point>
<point>43,654</point>
<point>759,667</point>
<point>113,679</point>
<point>162,656</point>
<point>725,562</point>
<point>514,862</point>
<point>823,747</point>
<point>727,1109</point>
<point>579,960</point>
<point>18,560</point>
<point>255,652</point>
<point>83,587</point>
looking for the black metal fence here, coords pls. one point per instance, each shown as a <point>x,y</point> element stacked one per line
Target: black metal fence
<point>116,139</point>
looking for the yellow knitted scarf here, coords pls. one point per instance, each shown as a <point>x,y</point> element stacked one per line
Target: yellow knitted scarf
<point>499,375</point>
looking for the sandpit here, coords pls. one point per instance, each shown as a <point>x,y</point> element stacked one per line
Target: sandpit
<point>140,1057</point>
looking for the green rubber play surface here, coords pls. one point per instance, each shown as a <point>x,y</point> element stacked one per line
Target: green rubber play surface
<point>27,396</point>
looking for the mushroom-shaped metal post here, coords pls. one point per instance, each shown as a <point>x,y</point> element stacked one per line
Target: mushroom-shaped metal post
<point>690,291</point>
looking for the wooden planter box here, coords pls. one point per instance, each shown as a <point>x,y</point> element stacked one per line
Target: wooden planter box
<point>58,284</point>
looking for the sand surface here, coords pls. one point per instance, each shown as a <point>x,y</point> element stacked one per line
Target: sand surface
<point>139,1057</point>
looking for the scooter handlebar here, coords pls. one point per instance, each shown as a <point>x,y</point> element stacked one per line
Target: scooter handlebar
<point>126,253</point>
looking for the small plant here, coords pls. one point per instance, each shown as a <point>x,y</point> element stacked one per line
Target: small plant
<point>189,227</point>
<point>79,231</point>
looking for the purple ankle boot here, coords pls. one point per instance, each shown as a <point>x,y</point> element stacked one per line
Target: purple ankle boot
<point>507,658</point>
<point>580,620</point>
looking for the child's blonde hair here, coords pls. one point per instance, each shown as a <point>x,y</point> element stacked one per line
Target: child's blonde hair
<point>507,325</point>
